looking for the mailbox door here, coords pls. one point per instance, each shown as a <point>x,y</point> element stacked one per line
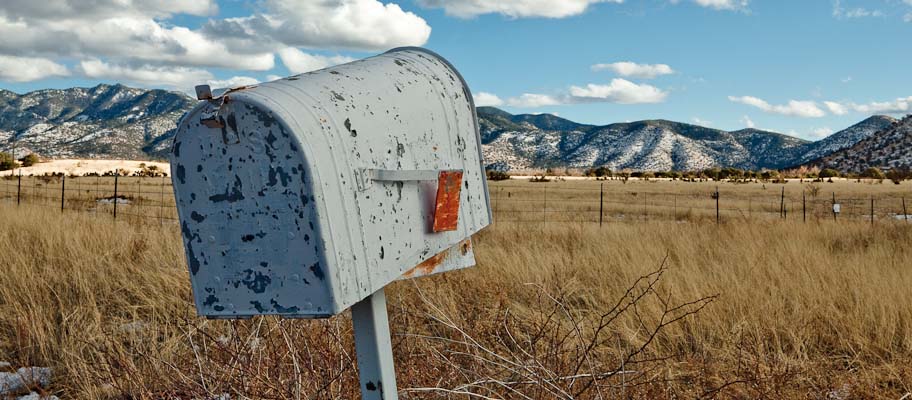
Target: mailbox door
<point>249,221</point>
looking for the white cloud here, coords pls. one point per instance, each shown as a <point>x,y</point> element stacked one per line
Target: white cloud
<point>233,82</point>
<point>126,37</point>
<point>907,17</point>
<point>632,69</point>
<point>701,122</point>
<point>619,91</point>
<point>133,37</point>
<point>739,5</point>
<point>795,108</point>
<point>348,24</point>
<point>299,62</point>
<point>820,133</point>
<point>532,100</point>
<point>180,78</point>
<point>25,69</point>
<point>514,8</point>
<point>898,106</point>
<point>748,122</point>
<point>483,99</point>
<point>841,12</point>
<point>147,75</point>
<point>723,4</point>
<point>846,79</point>
<point>836,108</point>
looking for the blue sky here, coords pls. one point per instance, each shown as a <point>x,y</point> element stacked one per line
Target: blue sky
<point>805,68</point>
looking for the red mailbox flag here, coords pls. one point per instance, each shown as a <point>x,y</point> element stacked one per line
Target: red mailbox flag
<point>446,211</point>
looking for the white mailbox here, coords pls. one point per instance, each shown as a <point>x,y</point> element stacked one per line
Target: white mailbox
<point>303,196</point>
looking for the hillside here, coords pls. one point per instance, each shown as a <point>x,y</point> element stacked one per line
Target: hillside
<point>541,141</point>
<point>890,148</point>
<point>106,121</point>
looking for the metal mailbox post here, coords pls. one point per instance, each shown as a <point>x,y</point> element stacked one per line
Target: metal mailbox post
<point>306,196</point>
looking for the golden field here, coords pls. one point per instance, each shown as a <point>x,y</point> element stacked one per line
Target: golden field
<point>667,305</point>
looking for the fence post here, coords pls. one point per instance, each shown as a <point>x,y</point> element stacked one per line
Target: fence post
<point>804,213</point>
<point>19,189</point>
<point>872,210</point>
<point>601,203</point>
<point>905,213</point>
<point>544,206</point>
<point>115,194</point>
<point>782,204</point>
<point>62,192</point>
<point>161,204</point>
<point>718,217</point>
<point>675,197</point>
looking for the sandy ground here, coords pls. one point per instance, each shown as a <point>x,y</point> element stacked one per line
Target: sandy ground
<point>82,167</point>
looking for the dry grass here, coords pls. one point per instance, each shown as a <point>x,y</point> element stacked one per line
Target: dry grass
<point>649,309</point>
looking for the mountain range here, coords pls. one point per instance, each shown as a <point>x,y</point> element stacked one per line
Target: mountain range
<point>545,140</point>
<point>115,121</point>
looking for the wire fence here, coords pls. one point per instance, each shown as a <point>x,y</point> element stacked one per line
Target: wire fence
<point>151,200</point>
<point>145,199</point>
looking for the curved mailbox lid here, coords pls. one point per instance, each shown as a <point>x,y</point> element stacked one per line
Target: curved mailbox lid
<point>279,209</point>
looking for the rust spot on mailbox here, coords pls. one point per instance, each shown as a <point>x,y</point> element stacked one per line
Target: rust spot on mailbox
<point>438,262</point>
<point>446,212</point>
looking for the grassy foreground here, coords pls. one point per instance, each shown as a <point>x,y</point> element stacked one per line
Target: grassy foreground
<point>639,310</point>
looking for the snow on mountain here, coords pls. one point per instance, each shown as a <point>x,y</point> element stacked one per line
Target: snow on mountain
<point>888,149</point>
<point>106,121</point>
<point>545,141</point>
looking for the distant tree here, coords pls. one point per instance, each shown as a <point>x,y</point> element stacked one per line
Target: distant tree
<point>898,175</point>
<point>29,160</point>
<point>829,173</point>
<point>495,175</point>
<point>7,162</point>
<point>873,173</point>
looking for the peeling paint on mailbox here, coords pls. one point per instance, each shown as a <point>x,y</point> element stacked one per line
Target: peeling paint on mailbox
<point>303,196</point>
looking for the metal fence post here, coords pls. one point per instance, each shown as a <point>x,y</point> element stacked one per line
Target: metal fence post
<point>872,210</point>
<point>718,217</point>
<point>161,204</point>
<point>905,213</point>
<point>19,189</point>
<point>782,204</point>
<point>601,203</point>
<point>62,192</point>
<point>804,213</point>
<point>374,348</point>
<point>115,194</point>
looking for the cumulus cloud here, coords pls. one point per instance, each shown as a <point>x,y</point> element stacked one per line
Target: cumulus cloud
<point>347,24</point>
<point>836,108</point>
<point>841,12</point>
<point>723,4</point>
<point>732,5</point>
<point>795,108</point>
<point>619,91</point>
<point>898,106</point>
<point>299,62</point>
<point>25,69</point>
<point>175,77</point>
<point>533,100</point>
<point>514,8</point>
<point>632,69</point>
<point>483,99</point>
<point>140,38</point>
